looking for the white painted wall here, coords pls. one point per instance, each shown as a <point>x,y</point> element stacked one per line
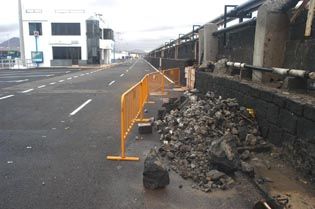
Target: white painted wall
<point>46,41</point>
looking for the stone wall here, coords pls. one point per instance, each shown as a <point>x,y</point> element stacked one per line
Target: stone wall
<point>288,121</point>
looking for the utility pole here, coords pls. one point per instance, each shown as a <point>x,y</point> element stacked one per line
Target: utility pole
<point>22,49</point>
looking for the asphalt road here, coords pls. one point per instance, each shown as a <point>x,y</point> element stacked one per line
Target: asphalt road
<point>14,77</point>
<point>55,134</point>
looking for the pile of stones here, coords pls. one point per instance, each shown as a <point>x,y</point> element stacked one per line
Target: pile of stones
<point>208,139</point>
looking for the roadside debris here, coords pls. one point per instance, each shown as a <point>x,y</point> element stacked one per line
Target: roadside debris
<point>208,139</point>
<point>155,175</point>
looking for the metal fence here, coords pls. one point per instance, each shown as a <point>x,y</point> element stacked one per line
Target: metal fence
<point>132,105</point>
<point>16,64</point>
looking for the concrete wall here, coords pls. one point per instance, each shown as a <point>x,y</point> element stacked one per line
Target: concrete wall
<point>239,44</point>
<point>63,62</point>
<point>288,122</point>
<point>300,50</point>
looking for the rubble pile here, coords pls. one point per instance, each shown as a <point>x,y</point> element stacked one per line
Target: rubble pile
<point>209,139</point>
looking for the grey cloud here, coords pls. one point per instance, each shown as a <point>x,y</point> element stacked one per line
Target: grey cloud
<point>107,3</point>
<point>9,28</point>
<point>144,44</point>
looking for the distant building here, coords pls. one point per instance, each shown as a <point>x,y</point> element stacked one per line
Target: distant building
<point>65,38</point>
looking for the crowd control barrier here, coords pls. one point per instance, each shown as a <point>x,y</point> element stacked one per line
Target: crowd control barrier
<point>132,105</point>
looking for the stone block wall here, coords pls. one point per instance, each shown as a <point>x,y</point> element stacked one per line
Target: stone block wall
<point>285,120</point>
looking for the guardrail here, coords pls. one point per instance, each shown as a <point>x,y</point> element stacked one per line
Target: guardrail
<point>16,63</point>
<point>132,105</point>
<point>7,63</point>
<point>173,74</point>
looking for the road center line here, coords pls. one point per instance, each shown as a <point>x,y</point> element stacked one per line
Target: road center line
<point>42,86</point>
<point>61,81</point>
<point>53,83</point>
<point>111,83</point>
<point>5,97</point>
<point>133,65</point>
<point>82,74</point>
<point>28,90</point>
<point>81,106</point>
<point>69,78</point>
<point>122,75</point>
<point>75,76</point>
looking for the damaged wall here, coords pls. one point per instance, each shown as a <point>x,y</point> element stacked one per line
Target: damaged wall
<point>285,121</point>
<point>300,50</point>
<point>239,44</point>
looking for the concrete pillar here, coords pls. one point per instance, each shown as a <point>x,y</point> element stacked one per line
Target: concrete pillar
<point>270,39</point>
<point>162,53</point>
<point>177,49</point>
<point>210,43</point>
<point>201,46</point>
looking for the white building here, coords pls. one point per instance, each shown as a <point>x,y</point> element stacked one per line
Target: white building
<point>65,37</point>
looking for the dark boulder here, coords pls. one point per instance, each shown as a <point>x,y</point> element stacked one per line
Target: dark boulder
<point>155,175</point>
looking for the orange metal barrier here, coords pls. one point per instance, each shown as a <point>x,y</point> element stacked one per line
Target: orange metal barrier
<point>132,105</point>
<point>173,74</point>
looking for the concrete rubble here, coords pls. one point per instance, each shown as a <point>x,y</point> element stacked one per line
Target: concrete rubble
<point>208,139</point>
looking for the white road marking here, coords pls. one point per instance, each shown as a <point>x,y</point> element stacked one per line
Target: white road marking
<point>28,90</point>
<point>25,76</point>
<point>53,83</point>
<point>132,65</point>
<point>68,71</point>
<point>75,76</point>
<point>61,81</point>
<point>82,74</point>
<point>14,81</point>
<point>5,97</point>
<point>79,108</point>
<point>127,71</point>
<point>87,73</point>
<point>122,75</point>
<point>69,78</point>
<point>42,86</point>
<point>111,83</point>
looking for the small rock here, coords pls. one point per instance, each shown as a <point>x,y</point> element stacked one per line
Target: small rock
<point>245,155</point>
<point>248,169</point>
<point>214,175</point>
<point>170,155</point>
<point>251,140</point>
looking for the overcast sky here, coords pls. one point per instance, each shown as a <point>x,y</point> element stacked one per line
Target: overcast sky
<point>142,24</point>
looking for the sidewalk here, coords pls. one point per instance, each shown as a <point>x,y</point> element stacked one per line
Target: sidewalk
<point>179,193</point>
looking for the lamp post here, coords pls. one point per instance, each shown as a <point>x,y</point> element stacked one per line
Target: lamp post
<point>22,49</point>
<point>36,34</point>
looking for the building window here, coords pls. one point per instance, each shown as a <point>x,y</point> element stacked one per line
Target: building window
<point>65,29</point>
<point>34,26</point>
<point>70,53</point>
<point>108,34</point>
<point>101,34</point>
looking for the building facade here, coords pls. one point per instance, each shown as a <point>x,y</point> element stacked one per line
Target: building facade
<point>65,37</point>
